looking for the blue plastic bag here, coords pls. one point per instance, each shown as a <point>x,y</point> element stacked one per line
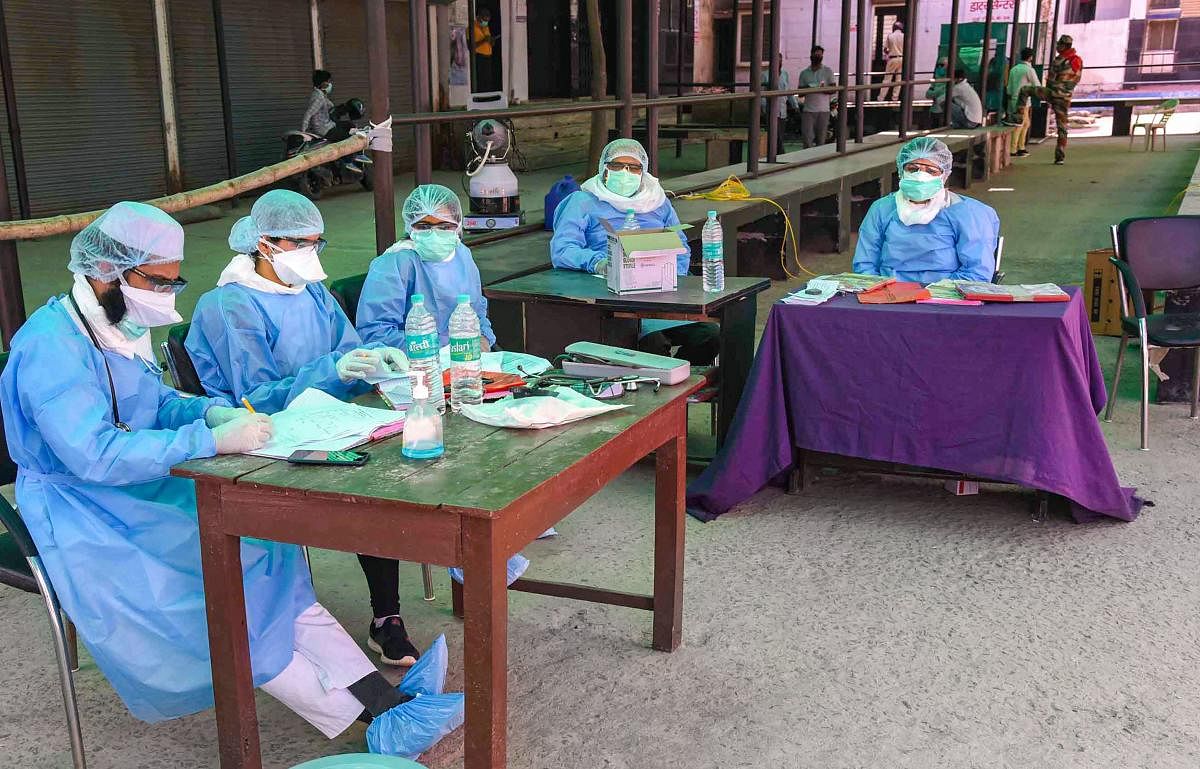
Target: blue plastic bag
<point>517,565</point>
<point>561,189</point>
<point>428,675</point>
<point>410,729</point>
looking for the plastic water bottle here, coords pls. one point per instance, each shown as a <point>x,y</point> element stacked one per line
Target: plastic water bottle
<point>631,222</point>
<point>712,252</point>
<point>422,424</point>
<point>421,339</point>
<point>466,365</point>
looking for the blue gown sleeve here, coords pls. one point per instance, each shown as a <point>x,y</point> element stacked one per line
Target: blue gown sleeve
<point>234,337</point>
<point>868,253</point>
<point>479,302</point>
<point>568,246</point>
<point>975,243</point>
<point>683,262</point>
<point>383,304</point>
<point>71,409</point>
<point>175,411</point>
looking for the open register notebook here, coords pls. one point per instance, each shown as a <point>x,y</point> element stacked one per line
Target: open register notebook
<point>317,421</point>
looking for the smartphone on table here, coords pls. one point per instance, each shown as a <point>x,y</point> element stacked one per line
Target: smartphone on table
<point>345,458</point>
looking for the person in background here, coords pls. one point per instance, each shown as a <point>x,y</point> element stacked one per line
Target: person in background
<point>486,73</point>
<point>786,105</point>
<point>1061,79</point>
<point>893,52</point>
<point>317,119</point>
<point>270,330</point>
<point>433,261</point>
<point>95,433</point>
<point>937,91</point>
<point>580,242</point>
<point>923,232</point>
<point>814,121</point>
<point>966,111</point>
<point>1019,77</point>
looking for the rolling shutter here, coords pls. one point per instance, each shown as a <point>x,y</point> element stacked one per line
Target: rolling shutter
<point>197,93</point>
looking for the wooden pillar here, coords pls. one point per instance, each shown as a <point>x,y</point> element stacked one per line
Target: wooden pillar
<point>756,52</point>
<point>984,63</point>
<point>422,133</point>
<point>379,106</point>
<point>844,80</point>
<point>773,126</point>
<point>951,60</point>
<point>625,67</point>
<point>653,11</point>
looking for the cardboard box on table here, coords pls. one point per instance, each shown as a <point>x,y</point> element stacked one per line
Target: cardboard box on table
<point>642,260</point>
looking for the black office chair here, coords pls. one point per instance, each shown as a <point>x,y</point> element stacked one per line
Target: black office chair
<point>347,291</point>
<point>179,363</point>
<point>21,567</point>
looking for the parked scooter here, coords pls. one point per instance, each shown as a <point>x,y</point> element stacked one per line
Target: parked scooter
<point>348,170</point>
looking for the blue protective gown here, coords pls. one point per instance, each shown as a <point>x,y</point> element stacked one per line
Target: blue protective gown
<point>580,240</point>
<point>117,534</point>
<point>269,348</point>
<point>960,243</point>
<point>397,274</point>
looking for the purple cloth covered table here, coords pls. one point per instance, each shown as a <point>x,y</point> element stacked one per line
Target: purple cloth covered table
<point>1008,392</point>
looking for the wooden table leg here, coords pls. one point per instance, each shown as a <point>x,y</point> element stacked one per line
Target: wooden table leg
<point>485,646</point>
<point>225,603</point>
<point>737,355</point>
<point>669,461</point>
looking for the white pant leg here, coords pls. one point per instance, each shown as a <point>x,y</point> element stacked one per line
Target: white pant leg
<point>327,660</point>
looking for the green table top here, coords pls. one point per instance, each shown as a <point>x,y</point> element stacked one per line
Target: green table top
<point>484,468</point>
<point>575,286</point>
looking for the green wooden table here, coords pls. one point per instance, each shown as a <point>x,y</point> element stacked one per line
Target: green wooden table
<point>493,492</point>
<point>558,307</point>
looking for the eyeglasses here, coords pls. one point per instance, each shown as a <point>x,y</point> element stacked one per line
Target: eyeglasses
<point>160,285</point>
<point>912,168</point>
<point>613,165</point>
<point>320,243</point>
<point>426,226</point>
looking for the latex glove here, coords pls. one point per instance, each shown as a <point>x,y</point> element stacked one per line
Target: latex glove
<point>246,432</point>
<point>358,364</point>
<point>219,415</point>
<point>394,359</point>
<point>601,267</point>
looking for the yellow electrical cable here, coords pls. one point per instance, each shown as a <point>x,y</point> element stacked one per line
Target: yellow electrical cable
<point>733,189</point>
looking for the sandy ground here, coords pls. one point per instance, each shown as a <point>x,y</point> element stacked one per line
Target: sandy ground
<point>865,623</point>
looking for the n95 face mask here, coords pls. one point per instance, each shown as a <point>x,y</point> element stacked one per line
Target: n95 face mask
<point>298,267</point>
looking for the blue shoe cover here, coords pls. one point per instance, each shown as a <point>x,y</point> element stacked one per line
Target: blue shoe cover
<point>410,729</point>
<point>428,675</point>
<point>516,567</point>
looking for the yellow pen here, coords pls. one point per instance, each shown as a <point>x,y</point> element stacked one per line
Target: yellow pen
<point>249,408</point>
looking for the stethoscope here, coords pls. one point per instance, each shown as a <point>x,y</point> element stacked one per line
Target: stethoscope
<point>112,388</point>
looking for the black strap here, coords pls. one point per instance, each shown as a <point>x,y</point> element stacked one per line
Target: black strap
<point>112,390</point>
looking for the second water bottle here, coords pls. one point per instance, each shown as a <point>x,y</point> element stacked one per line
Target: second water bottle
<point>421,339</point>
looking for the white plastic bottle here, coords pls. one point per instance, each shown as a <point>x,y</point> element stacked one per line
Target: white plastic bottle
<point>466,365</point>
<point>421,340</point>
<point>631,220</point>
<point>422,424</point>
<point>712,251</point>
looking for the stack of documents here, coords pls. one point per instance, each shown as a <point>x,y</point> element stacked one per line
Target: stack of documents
<point>1028,292</point>
<point>317,421</point>
<point>946,291</point>
<point>818,291</point>
<point>853,282</point>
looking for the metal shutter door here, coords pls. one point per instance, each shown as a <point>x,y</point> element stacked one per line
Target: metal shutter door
<point>197,93</point>
<point>86,77</point>
<point>269,50</point>
<point>344,40</point>
<point>6,142</point>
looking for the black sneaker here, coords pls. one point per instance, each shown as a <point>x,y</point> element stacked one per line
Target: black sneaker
<point>1059,162</point>
<point>391,642</point>
<point>1022,153</point>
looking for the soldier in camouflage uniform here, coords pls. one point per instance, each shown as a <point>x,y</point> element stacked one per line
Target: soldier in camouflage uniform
<point>1061,80</point>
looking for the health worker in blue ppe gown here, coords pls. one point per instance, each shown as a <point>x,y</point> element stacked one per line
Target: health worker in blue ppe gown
<point>270,330</point>
<point>580,241</point>
<point>923,232</point>
<point>94,434</point>
<point>432,261</point>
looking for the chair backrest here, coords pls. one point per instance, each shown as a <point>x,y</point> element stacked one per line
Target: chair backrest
<point>180,363</point>
<point>1167,108</point>
<point>997,275</point>
<point>1162,251</point>
<point>346,292</point>
<point>8,516</point>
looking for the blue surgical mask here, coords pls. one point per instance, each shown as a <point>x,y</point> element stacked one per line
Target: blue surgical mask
<point>920,185</point>
<point>623,183</point>
<point>434,245</point>
<point>131,330</point>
